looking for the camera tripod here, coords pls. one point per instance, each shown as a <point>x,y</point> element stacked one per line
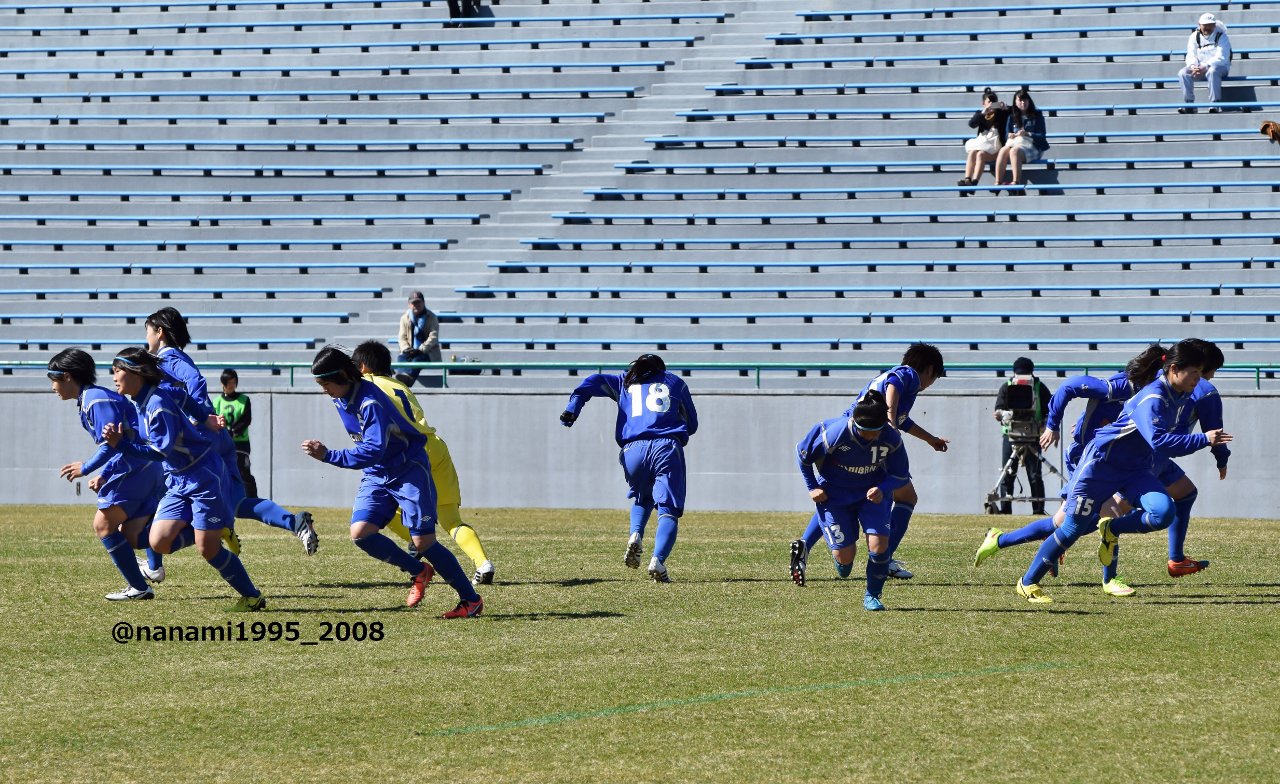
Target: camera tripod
<point>1022,450</point>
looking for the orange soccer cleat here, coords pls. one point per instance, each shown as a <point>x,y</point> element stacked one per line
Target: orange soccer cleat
<point>1186,566</point>
<point>419,586</point>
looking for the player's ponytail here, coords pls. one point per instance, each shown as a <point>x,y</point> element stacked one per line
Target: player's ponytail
<point>332,363</point>
<point>1142,369</point>
<point>644,368</point>
<point>172,324</point>
<point>76,364</point>
<point>140,362</point>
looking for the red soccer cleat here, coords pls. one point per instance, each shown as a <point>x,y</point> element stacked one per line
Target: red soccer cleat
<point>419,586</point>
<point>1186,566</point>
<point>466,610</point>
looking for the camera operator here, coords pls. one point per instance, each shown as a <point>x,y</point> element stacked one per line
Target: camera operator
<point>1022,404</point>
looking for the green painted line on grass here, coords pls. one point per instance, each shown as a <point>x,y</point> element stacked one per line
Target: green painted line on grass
<point>561,718</point>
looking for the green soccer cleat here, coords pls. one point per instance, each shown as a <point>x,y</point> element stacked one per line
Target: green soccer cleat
<point>990,546</point>
<point>1107,550</point>
<point>1117,587</point>
<point>1033,594</point>
<point>248,604</point>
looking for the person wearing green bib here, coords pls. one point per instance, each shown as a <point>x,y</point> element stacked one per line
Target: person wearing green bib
<point>234,407</point>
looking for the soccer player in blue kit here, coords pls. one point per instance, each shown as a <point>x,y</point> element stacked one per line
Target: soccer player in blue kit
<point>921,366</point>
<point>128,488</point>
<point>656,417</point>
<point>1105,400</point>
<point>392,454</point>
<point>1120,459</point>
<point>851,465</point>
<point>193,510</point>
<point>167,336</point>
<point>1205,409</point>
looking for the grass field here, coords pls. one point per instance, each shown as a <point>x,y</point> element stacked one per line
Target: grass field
<point>580,670</point>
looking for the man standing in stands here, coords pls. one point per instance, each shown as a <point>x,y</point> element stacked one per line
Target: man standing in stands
<point>1208,60</point>
<point>419,338</point>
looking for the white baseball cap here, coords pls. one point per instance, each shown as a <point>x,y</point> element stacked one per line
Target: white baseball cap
<point>1208,19</point>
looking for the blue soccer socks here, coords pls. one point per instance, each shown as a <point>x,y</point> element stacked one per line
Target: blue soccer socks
<point>232,570</point>
<point>122,556</point>
<point>385,550</point>
<point>1178,531</point>
<point>1036,531</point>
<point>447,566</point>
<point>899,521</point>
<point>266,511</point>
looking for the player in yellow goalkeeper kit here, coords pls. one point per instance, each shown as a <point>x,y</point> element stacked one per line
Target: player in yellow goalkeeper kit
<point>374,360</point>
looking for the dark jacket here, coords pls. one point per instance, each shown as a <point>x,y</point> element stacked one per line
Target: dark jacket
<point>999,120</point>
<point>1034,125</point>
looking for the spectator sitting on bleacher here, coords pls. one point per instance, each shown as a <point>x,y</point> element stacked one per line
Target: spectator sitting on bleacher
<point>462,9</point>
<point>1025,138</point>
<point>419,338</point>
<point>989,121</point>
<point>1208,60</point>
<point>1271,130</point>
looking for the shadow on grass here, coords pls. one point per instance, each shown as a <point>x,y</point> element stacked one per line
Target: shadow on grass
<point>573,582</point>
<point>382,584</point>
<point>553,616</point>
<point>1055,610</point>
<point>339,610</point>
<point>1212,600</point>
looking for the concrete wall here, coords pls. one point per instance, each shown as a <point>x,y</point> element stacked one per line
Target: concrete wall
<point>511,451</point>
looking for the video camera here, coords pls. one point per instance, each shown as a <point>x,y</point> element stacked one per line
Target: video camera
<point>1020,421</point>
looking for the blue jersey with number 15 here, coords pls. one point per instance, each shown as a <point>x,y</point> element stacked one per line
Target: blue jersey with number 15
<point>658,408</point>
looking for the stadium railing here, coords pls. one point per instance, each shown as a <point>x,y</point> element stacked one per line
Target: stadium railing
<point>743,368</point>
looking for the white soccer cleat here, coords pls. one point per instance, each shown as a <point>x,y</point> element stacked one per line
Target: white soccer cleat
<point>632,557</point>
<point>658,572</point>
<point>484,574</point>
<point>899,571</point>
<point>154,576</point>
<point>306,533</point>
<point>131,594</point>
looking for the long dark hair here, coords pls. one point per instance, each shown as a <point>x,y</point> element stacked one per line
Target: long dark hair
<point>76,364</point>
<point>1020,118</point>
<point>643,368</point>
<point>332,362</point>
<point>1213,358</point>
<point>139,361</point>
<point>1143,368</point>
<point>1187,353</point>
<point>172,324</point>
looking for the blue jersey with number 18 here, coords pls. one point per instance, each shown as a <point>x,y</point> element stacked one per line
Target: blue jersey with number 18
<point>658,408</point>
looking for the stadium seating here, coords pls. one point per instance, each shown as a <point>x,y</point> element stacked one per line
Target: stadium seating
<point>576,182</point>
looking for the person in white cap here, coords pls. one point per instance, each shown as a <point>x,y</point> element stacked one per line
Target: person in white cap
<point>1208,60</point>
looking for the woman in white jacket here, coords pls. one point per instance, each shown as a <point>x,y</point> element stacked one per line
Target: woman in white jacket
<point>1208,60</point>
